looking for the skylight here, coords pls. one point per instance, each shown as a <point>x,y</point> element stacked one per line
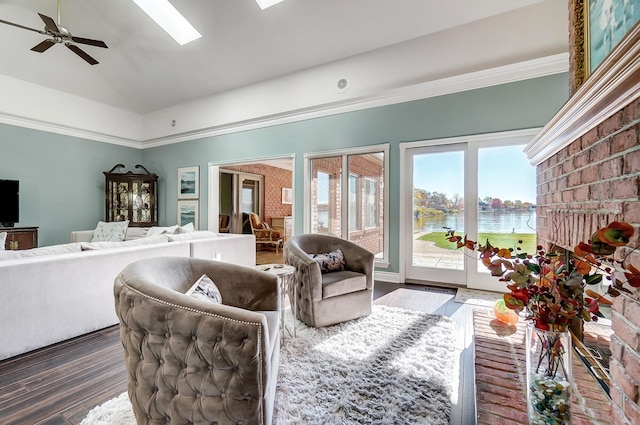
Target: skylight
<point>267,3</point>
<point>170,20</point>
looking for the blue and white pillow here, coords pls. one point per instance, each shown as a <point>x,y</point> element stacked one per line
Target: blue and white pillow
<point>330,262</point>
<point>205,289</point>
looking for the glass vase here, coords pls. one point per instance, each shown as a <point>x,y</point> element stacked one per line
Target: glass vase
<point>548,376</point>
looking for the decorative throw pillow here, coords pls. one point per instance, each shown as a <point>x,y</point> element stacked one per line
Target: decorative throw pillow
<point>187,228</point>
<point>205,289</point>
<point>110,232</point>
<point>162,230</point>
<point>330,262</point>
<point>3,240</point>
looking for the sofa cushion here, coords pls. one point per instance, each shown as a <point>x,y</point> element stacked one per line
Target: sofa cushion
<point>160,230</point>
<point>330,262</point>
<point>3,240</point>
<point>187,228</point>
<point>152,240</point>
<point>136,233</point>
<point>205,289</point>
<point>342,282</point>
<point>112,231</point>
<point>9,254</point>
<point>200,234</point>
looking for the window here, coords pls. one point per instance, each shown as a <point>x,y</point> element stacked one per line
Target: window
<point>370,203</point>
<point>354,203</point>
<point>357,214</point>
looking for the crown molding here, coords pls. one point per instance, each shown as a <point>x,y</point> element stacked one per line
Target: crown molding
<point>613,85</point>
<point>68,131</point>
<point>520,71</point>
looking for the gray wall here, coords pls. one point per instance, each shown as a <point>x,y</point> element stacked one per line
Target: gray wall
<point>506,107</point>
<point>61,180</point>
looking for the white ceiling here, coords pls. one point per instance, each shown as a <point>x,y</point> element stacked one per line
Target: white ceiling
<point>144,70</point>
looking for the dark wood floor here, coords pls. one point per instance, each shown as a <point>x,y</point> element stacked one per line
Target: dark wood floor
<point>58,385</point>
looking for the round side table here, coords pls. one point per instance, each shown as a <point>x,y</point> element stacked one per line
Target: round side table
<point>285,274</point>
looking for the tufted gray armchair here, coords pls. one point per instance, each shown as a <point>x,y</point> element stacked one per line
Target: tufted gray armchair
<point>193,362</point>
<point>324,299</point>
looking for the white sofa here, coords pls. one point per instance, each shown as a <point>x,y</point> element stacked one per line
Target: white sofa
<point>51,294</point>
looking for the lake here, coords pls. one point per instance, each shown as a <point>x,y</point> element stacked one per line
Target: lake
<point>496,222</point>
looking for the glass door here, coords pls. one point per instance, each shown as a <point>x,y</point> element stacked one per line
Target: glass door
<point>482,190</point>
<point>506,213</point>
<point>438,187</point>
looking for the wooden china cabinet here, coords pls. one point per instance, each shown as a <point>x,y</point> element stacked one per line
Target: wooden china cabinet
<point>131,196</point>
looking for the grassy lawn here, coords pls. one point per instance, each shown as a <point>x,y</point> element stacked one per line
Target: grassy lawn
<point>501,240</point>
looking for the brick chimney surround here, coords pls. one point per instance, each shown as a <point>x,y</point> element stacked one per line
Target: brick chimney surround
<point>588,174</point>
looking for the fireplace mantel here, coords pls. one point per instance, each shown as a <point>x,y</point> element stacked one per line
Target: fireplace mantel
<point>613,85</point>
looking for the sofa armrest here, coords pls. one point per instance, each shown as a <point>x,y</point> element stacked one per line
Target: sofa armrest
<point>82,236</point>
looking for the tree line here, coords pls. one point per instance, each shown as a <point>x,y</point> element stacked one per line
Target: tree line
<point>428,203</point>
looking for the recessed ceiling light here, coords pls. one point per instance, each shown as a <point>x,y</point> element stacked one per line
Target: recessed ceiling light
<point>169,19</point>
<point>267,3</point>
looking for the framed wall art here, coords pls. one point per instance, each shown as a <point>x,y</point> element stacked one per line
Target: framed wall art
<point>189,182</point>
<point>188,212</point>
<point>287,195</point>
<point>606,22</point>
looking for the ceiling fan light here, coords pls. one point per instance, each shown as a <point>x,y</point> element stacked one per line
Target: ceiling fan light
<point>267,3</point>
<point>169,19</point>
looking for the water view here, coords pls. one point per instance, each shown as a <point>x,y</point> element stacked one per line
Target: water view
<point>488,221</point>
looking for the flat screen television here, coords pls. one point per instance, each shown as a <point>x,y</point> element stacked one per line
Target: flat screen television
<point>9,203</point>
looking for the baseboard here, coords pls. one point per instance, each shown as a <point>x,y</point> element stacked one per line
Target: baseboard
<point>386,277</point>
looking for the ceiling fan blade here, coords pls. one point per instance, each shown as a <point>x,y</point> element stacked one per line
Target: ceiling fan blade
<point>78,51</point>
<point>89,41</point>
<point>49,23</point>
<point>22,26</point>
<point>42,47</point>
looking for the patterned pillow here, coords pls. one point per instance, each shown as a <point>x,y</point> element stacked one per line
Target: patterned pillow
<point>114,231</point>
<point>3,240</point>
<point>330,262</point>
<point>205,289</point>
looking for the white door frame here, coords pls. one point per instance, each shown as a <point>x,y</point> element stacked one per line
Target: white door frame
<point>472,279</point>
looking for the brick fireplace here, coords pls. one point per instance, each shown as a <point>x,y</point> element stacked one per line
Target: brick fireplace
<point>588,174</point>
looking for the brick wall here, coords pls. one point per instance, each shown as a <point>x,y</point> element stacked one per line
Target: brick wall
<point>592,181</point>
<point>274,180</point>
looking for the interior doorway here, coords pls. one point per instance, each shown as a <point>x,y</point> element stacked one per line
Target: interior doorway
<point>263,186</point>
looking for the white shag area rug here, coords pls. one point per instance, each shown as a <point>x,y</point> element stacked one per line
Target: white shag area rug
<point>392,367</point>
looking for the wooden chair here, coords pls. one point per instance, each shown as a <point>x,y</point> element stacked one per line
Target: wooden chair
<point>264,234</point>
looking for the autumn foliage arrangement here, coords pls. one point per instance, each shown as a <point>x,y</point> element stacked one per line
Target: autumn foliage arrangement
<point>552,291</point>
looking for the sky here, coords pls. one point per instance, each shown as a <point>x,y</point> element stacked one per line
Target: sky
<point>504,172</point>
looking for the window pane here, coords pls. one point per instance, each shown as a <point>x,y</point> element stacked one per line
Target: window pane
<point>369,233</point>
<point>438,190</point>
<point>325,195</point>
<point>370,203</point>
<point>506,198</point>
<point>353,202</point>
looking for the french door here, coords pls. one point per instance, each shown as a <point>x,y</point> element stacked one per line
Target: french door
<point>483,188</point>
<point>240,194</point>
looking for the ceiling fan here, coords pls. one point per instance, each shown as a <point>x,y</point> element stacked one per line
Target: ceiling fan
<point>60,35</point>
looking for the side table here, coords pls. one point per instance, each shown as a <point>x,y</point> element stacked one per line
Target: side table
<point>285,274</point>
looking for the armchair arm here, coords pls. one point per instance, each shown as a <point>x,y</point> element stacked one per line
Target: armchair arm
<point>359,260</point>
<point>307,270</point>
